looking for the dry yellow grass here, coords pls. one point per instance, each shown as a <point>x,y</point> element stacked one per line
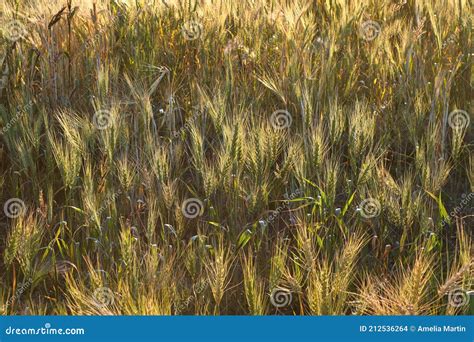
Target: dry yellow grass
<point>236,157</point>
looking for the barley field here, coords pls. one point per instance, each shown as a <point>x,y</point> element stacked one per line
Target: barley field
<point>250,157</point>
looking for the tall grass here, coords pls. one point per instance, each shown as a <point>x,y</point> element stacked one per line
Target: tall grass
<point>199,157</point>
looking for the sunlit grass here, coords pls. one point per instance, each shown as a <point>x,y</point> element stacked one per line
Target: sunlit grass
<point>199,157</point>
